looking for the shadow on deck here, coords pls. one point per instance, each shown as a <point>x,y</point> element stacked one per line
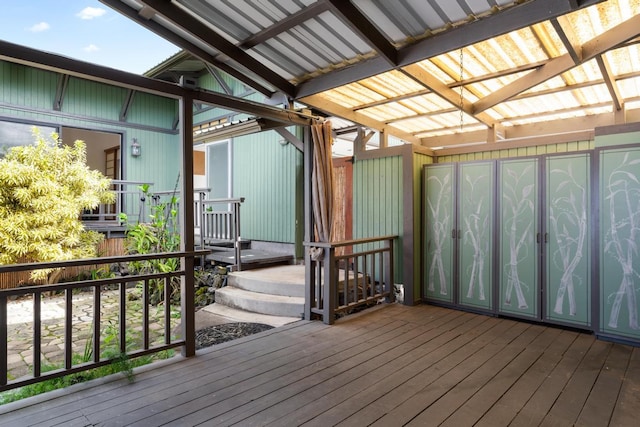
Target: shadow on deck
<point>390,365</point>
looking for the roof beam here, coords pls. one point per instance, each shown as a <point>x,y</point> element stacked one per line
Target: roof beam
<point>61,90</point>
<point>172,37</point>
<point>218,78</point>
<point>503,22</point>
<point>594,47</point>
<point>179,17</point>
<point>59,64</point>
<point>332,108</point>
<point>421,75</point>
<point>286,24</point>
<point>568,37</point>
<point>610,81</point>
<point>126,105</point>
<point>348,13</point>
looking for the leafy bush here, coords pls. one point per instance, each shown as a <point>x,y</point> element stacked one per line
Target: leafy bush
<point>44,188</point>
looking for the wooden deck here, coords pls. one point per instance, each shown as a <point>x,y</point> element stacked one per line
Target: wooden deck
<point>389,366</point>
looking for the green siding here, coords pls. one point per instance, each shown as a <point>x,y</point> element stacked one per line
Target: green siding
<point>28,95</point>
<point>378,202</point>
<point>419,161</point>
<point>269,176</point>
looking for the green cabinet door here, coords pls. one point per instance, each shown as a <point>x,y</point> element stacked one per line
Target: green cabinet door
<point>619,238</point>
<point>438,263</point>
<point>567,238</point>
<point>518,256</point>
<point>476,192</point>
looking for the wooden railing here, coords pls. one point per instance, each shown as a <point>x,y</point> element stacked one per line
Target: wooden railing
<point>144,347</point>
<point>220,225</point>
<point>129,200</point>
<point>342,283</point>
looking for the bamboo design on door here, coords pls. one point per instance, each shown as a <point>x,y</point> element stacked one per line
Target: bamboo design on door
<point>476,232</point>
<point>518,224</point>
<point>439,226</point>
<point>568,226</point>
<point>622,198</point>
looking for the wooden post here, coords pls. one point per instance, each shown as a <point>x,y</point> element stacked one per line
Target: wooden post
<point>187,291</point>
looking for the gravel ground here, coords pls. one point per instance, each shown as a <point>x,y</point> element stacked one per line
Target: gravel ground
<point>217,334</point>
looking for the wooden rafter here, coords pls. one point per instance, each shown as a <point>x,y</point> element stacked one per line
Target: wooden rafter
<point>597,46</point>
<point>420,75</point>
<point>322,104</point>
<point>568,37</point>
<point>610,81</point>
<point>352,16</point>
<point>193,49</point>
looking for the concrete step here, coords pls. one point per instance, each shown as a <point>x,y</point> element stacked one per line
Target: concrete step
<point>224,314</point>
<point>275,305</point>
<point>286,280</point>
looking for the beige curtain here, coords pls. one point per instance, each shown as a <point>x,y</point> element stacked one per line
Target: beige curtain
<point>322,185</point>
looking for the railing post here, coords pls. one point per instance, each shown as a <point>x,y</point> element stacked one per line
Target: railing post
<point>329,289</point>
<point>388,261</point>
<point>3,341</point>
<point>202,219</point>
<point>310,279</point>
<point>238,249</point>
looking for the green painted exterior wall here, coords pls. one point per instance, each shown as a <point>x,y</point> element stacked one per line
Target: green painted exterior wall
<point>269,176</point>
<point>378,202</point>
<point>419,161</point>
<point>27,95</point>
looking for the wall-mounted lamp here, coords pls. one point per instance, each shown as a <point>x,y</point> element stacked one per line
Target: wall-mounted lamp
<point>136,149</point>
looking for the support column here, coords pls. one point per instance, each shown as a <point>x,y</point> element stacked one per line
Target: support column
<point>187,226</point>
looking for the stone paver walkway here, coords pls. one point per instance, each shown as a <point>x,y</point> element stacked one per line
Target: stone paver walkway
<point>20,328</point>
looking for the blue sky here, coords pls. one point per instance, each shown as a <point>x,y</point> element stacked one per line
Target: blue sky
<point>83,29</point>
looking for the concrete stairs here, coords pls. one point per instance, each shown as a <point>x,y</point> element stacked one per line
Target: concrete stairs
<point>274,291</point>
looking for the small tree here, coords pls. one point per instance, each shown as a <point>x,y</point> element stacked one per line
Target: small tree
<point>44,188</point>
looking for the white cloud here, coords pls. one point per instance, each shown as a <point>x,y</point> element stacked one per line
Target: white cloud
<point>91,48</point>
<point>90,13</point>
<point>40,27</point>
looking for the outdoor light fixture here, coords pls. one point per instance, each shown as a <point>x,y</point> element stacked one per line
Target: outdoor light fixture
<point>136,149</point>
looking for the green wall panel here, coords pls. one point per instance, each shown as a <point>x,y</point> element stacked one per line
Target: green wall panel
<point>476,218</point>
<point>419,161</point>
<point>619,241</point>
<point>517,226</point>
<point>439,211</point>
<point>269,176</point>
<point>567,238</point>
<point>378,202</point>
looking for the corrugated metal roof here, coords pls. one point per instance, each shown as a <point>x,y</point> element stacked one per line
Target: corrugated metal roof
<point>410,66</point>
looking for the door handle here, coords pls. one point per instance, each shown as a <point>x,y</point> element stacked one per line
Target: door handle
<point>538,238</point>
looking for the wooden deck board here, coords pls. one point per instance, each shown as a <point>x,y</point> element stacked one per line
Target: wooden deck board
<point>393,365</point>
<point>511,402</point>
